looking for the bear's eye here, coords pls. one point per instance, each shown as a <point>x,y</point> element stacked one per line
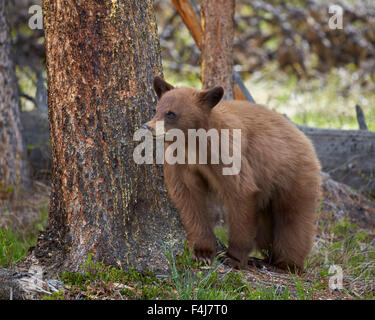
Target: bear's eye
<point>170,115</point>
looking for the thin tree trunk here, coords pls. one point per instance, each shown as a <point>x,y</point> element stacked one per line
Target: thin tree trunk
<point>101,60</point>
<point>13,171</point>
<point>217,54</point>
<point>187,9</point>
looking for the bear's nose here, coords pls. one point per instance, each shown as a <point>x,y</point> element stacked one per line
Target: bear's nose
<point>146,126</point>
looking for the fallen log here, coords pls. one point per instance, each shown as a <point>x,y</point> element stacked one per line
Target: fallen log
<point>347,155</point>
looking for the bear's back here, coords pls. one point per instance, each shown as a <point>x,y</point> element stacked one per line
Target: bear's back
<point>258,122</point>
<point>273,146</point>
<point>250,116</point>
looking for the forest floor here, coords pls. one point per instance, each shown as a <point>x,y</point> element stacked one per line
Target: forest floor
<point>345,241</point>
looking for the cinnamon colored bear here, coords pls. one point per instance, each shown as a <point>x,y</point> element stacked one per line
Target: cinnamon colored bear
<point>271,204</point>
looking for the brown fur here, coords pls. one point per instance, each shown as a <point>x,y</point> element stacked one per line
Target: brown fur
<point>271,204</point>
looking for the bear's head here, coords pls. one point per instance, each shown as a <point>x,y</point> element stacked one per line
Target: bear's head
<point>182,108</point>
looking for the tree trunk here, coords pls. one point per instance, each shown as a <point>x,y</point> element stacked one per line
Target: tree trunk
<point>187,9</point>
<point>101,60</point>
<point>217,54</point>
<point>13,172</point>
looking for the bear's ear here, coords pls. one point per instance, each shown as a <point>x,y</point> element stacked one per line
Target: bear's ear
<point>161,86</point>
<point>211,97</point>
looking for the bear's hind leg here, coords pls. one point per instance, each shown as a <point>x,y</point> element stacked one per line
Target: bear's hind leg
<point>293,232</point>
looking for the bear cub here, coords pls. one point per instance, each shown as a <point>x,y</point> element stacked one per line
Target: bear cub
<point>270,205</point>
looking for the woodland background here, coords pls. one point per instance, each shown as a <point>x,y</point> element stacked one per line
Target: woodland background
<point>290,61</point>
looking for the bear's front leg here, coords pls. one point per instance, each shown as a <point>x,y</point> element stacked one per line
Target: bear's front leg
<point>189,192</point>
<point>241,230</point>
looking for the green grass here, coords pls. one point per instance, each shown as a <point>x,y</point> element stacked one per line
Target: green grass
<point>351,248</point>
<point>14,243</point>
<point>12,247</point>
<point>339,243</point>
<point>187,280</point>
<point>91,282</point>
<point>346,245</point>
<point>222,234</point>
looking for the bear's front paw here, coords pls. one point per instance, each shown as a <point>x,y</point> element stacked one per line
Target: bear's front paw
<point>203,253</point>
<point>231,261</point>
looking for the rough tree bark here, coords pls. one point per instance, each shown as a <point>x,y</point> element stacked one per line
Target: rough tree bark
<point>101,60</point>
<point>217,45</point>
<point>13,170</point>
